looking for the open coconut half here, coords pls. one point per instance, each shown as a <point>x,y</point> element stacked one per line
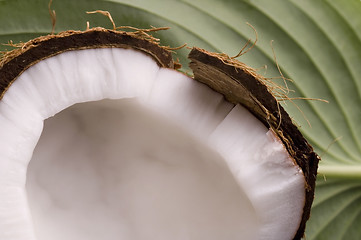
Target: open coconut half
<point>100,138</point>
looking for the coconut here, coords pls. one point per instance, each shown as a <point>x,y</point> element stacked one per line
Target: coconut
<point>101,138</point>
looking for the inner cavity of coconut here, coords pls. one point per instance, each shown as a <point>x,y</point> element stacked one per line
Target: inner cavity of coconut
<point>120,172</point>
<point>175,162</point>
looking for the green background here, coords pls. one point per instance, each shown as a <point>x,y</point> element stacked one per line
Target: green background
<point>317,45</point>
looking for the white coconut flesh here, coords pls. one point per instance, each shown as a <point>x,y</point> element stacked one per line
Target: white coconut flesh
<point>168,158</point>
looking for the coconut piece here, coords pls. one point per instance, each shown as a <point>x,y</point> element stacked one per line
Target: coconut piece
<point>239,84</point>
<point>218,201</point>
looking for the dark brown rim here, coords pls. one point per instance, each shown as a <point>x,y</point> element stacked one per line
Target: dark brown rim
<point>51,45</point>
<point>239,86</point>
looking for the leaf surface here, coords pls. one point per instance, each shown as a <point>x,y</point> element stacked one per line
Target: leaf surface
<point>317,44</point>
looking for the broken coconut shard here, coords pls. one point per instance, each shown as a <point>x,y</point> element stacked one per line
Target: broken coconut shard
<point>163,188</point>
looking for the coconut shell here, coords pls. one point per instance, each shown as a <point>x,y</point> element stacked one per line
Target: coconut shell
<point>232,80</point>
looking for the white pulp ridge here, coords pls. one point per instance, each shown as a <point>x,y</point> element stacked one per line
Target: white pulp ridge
<point>144,167</point>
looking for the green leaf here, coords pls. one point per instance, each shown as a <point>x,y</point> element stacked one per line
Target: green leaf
<point>317,44</point>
